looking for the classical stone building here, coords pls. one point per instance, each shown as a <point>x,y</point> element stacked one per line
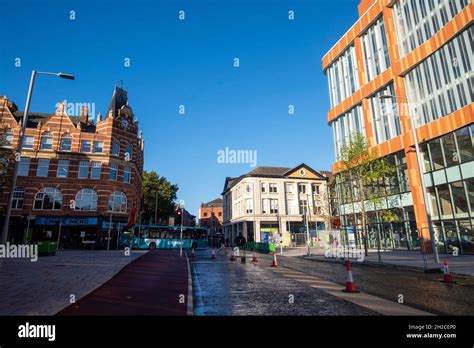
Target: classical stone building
<point>269,202</point>
<point>77,178</point>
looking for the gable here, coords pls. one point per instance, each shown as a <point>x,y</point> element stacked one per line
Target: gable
<point>304,172</point>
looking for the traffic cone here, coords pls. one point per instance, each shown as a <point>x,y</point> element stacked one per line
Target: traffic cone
<point>254,256</point>
<point>193,253</point>
<point>213,254</point>
<point>447,278</point>
<point>232,257</point>
<point>275,262</point>
<point>350,286</point>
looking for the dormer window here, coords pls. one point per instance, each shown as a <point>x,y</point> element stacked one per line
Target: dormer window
<point>46,141</point>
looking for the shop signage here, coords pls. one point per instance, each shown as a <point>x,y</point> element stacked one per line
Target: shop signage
<point>85,221</point>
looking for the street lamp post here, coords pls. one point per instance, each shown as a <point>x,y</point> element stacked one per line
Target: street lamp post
<point>422,177</point>
<point>6,223</point>
<point>181,207</point>
<point>307,226</point>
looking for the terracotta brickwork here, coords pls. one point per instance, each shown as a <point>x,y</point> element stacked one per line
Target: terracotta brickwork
<point>118,127</point>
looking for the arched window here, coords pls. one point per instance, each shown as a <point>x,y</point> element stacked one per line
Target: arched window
<point>129,152</point>
<point>18,197</point>
<point>46,141</point>
<point>118,202</point>
<point>86,199</point>
<point>48,198</point>
<point>7,137</point>
<point>116,148</point>
<point>66,142</point>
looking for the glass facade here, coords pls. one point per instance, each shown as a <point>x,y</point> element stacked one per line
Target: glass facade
<point>385,117</point>
<point>443,83</point>
<point>375,50</point>
<point>345,126</point>
<point>417,21</point>
<point>343,77</point>
<point>449,173</point>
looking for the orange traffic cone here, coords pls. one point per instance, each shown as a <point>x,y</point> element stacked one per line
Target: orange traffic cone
<point>447,278</point>
<point>350,286</point>
<point>193,253</point>
<point>213,254</point>
<point>275,262</point>
<point>254,256</point>
<point>232,257</point>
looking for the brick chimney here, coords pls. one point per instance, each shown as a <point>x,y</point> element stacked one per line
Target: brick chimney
<point>364,6</point>
<point>84,114</point>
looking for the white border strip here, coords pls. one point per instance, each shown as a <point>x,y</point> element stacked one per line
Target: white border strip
<point>190,289</point>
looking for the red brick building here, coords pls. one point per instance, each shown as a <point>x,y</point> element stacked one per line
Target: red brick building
<point>75,176</point>
<point>211,217</point>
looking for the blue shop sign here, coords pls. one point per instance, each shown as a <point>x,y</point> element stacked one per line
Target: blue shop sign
<point>72,221</point>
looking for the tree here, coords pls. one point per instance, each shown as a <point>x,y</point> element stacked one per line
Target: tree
<point>369,176</point>
<point>159,193</point>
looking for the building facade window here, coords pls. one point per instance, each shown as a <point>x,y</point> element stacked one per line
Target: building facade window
<point>301,188</point>
<point>48,198</point>
<point>28,142</point>
<point>46,141</point>
<point>86,200</point>
<point>375,50</point>
<point>289,188</point>
<point>63,168</point>
<point>118,202</point>
<point>343,77</point>
<point>43,167</point>
<point>265,206</point>
<point>273,206</point>
<point>263,187</point>
<point>24,167</point>
<point>7,138</point>
<point>96,169</point>
<point>115,148</point>
<point>18,198</point>
<point>385,116</point>
<point>98,146</point>
<point>129,152</point>
<point>127,175</point>
<point>303,206</point>
<point>315,189</point>
<point>346,126</point>
<point>86,146</point>
<point>442,83</point>
<point>249,206</point>
<point>272,188</point>
<point>83,170</point>
<point>418,21</point>
<point>66,142</point>
<point>113,172</point>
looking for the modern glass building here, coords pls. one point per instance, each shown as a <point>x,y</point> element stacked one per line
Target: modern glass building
<point>421,54</point>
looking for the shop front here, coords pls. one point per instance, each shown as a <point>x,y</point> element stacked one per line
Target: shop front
<point>70,232</point>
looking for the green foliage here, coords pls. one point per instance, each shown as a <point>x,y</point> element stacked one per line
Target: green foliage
<point>157,191</point>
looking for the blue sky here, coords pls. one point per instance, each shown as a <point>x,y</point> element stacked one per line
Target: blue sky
<point>188,63</point>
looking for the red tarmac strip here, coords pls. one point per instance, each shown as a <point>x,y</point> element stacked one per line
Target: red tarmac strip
<point>150,285</point>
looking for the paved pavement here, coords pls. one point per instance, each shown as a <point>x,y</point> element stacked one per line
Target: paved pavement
<point>419,290</point>
<point>154,284</point>
<point>222,287</point>
<point>461,265</point>
<point>45,287</point>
